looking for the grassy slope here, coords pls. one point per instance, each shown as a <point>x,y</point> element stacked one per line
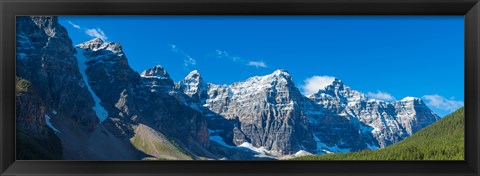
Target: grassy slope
<point>443,140</point>
<point>153,143</point>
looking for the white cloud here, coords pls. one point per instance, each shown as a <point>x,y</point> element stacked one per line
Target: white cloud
<point>220,53</point>
<point>74,25</point>
<point>225,54</point>
<point>257,64</point>
<point>442,103</point>
<point>313,84</point>
<point>187,59</point>
<point>174,48</point>
<point>97,33</point>
<point>381,95</point>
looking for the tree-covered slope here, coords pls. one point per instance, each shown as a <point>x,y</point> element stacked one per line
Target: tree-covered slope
<point>443,140</point>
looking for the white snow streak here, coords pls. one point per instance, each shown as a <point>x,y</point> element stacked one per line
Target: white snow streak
<point>102,114</point>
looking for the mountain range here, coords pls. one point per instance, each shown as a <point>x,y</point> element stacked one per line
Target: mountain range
<point>87,102</point>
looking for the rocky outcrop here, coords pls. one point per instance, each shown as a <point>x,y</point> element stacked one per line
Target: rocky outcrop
<point>91,97</point>
<point>46,58</point>
<point>194,86</point>
<point>269,112</point>
<point>31,117</point>
<point>262,111</point>
<point>158,80</point>
<point>387,122</point>
<point>146,99</point>
<point>413,114</point>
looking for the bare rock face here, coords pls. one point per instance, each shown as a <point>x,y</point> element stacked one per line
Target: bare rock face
<point>31,117</point>
<point>147,99</point>
<point>158,80</point>
<point>261,111</point>
<point>194,86</point>
<point>387,122</point>
<point>90,93</point>
<point>46,58</point>
<point>269,112</point>
<point>413,114</point>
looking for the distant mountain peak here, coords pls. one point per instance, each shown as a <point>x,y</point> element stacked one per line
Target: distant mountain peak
<point>332,83</point>
<point>156,72</point>
<point>409,98</point>
<point>94,43</point>
<point>193,74</point>
<point>281,73</point>
<point>98,44</point>
<point>193,86</point>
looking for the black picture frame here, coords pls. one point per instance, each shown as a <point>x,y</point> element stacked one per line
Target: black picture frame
<point>469,8</point>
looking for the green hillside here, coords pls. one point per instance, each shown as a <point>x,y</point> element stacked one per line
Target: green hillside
<point>156,144</point>
<point>443,140</point>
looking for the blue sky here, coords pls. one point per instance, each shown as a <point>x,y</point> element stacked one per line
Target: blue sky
<point>385,57</point>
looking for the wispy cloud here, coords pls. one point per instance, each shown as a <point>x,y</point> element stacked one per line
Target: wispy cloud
<point>381,95</point>
<point>225,54</point>
<point>187,59</point>
<point>257,64</point>
<point>74,25</point>
<point>97,33</point>
<point>313,84</point>
<point>442,103</point>
<point>220,54</point>
<point>92,32</point>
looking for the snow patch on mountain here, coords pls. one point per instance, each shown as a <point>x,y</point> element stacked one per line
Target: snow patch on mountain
<point>219,140</point>
<point>102,114</point>
<point>324,148</point>
<point>244,146</point>
<point>49,124</point>
<point>259,150</point>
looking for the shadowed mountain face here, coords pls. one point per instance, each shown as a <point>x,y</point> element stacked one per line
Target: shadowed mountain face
<point>92,98</point>
<point>88,98</point>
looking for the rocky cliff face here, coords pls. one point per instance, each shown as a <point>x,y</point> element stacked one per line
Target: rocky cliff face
<point>91,97</point>
<point>194,86</point>
<point>269,112</point>
<point>140,99</point>
<point>387,122</point>
<point>46,58</point>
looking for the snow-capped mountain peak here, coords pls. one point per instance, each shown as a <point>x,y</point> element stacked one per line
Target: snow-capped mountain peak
<point>407,99</point>
<point>193,86</point>
<point>331,83</point>
<point>193,74</point>
<point>281,72</point>
<point>336,92</point>
<point>157,72</point>
<point>98,44</point>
